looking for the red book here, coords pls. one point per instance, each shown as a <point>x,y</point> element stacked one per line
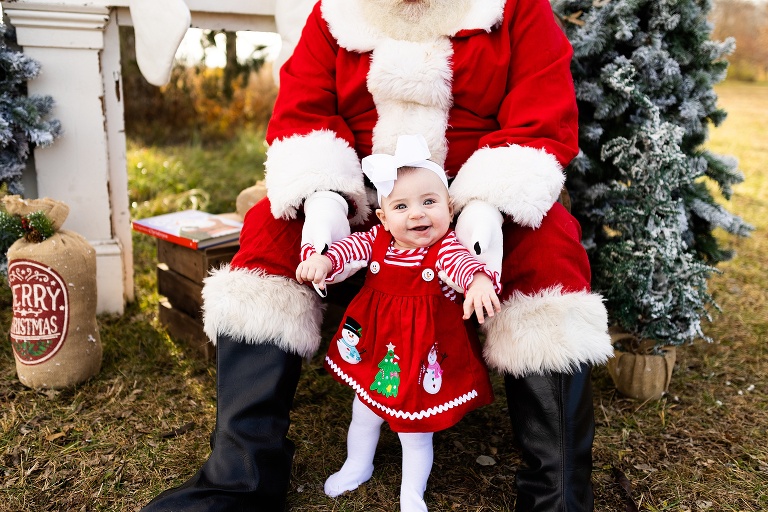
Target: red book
<point>190,228</point>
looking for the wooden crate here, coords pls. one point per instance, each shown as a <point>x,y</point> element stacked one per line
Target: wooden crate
<point>180,274</point>
<point>183,293</point>
<point>194,264</point>
<point>185,328</point>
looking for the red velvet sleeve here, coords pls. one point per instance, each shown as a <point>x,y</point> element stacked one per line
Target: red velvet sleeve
<point>307,100</point>
<point>539,109</point>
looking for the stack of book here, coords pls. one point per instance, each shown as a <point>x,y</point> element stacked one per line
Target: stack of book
<point>191,228</point>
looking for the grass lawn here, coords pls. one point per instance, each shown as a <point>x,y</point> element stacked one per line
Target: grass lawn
<point>143,423</point>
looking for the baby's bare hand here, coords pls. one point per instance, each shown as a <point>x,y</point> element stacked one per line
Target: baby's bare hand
<point>314,269</point>
<point>481,298</point>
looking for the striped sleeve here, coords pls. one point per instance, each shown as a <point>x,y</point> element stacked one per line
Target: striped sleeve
<point>356,247</point>
<point>458,263</point>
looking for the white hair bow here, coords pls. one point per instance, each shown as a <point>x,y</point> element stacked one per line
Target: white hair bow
<point>411,151</point>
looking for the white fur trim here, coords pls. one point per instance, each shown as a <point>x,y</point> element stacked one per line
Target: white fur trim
<point>483,15</point>
<point>301,165</point>
<point>353,32</point>
<point>411,87</point>
<point>520,181</point>
<point>259,308</point>
<point>549,331</point>
<point>347,23</point>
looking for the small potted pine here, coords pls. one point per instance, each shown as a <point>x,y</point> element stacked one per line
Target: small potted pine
<point>644,185</point>
<point>654,285</point>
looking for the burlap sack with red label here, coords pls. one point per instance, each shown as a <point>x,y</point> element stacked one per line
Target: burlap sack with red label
<point>54,332</point>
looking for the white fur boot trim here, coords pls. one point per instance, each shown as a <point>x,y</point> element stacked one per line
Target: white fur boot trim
<point>549,331</point>
<point>257,307</point>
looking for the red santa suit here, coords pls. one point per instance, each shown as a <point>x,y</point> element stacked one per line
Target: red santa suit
<point>503,126</point>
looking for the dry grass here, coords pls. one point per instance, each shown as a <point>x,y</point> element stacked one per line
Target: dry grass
<point>143,424</point>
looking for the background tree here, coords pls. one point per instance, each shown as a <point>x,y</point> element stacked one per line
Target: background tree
<point>747,22</point>
<point>644,72</point>
<point>200,103</point>
<point>234,68</point>
<point>655,286</point>
<point>153,114</point>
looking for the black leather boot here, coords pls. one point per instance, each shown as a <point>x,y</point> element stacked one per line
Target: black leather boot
<point>554,425</point>
<point>250,465</point>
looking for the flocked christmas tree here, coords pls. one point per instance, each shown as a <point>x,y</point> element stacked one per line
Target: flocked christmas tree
<point>23,123</point>
<point>387,381</point>
<point>644,72</point>
<point>23,119</point>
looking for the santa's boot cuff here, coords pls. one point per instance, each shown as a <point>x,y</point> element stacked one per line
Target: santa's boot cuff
<point>548,331</point>
<point>255,307</point>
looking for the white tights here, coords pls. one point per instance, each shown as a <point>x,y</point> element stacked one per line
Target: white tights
<point>362,438</point>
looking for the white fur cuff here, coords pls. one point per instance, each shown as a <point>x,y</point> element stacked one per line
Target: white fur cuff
<point>301,165</point>
<point>549,331</point>
<point>259,308</point>
<point>521,182</point>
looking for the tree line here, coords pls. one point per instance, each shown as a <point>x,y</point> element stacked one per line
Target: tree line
<point>747,22</point>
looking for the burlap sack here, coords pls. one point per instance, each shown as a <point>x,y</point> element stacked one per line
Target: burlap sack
<point>54,333</point>
<point>249,197</point>
<point>642,376</point>
<point>56,211</point>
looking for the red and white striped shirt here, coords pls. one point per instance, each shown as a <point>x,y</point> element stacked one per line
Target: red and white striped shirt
<point>452,258</point>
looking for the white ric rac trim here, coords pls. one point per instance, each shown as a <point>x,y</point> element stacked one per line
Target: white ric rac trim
<point>395,413</point>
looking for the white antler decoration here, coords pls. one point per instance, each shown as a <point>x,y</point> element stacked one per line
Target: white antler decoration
<point>160,26</point>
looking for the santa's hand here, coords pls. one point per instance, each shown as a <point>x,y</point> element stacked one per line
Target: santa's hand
<point>349,269</point>
<point>325,220</point>
<point>478,228</point>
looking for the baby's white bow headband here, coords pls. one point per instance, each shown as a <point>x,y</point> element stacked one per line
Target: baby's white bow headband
<point>411,151</point>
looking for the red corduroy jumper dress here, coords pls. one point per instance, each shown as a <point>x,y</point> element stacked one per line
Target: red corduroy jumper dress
<point>405,350</point>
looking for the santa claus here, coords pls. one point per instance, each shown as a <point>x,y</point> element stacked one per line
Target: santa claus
<point>488,84</point>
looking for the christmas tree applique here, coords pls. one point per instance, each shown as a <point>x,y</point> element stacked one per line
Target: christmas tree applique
<point>387,381</point>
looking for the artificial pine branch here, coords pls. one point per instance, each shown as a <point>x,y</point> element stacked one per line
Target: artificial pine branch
<point>34,228</point>
<point>662,50</point>
<point>10,230</point>
<point>644,72</point>
<point>37,227</point>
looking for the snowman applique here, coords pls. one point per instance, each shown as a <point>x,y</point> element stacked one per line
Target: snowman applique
<point>350,337</point>
<point>432,374</point>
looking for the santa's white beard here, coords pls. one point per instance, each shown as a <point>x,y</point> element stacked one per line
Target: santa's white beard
<point>415,20</point>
